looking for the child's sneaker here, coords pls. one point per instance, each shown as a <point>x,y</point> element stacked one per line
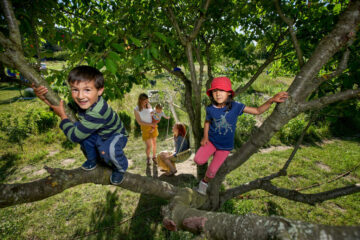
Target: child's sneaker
<point>202,187</point>
<point>116,178</point>
<point>89,165</point>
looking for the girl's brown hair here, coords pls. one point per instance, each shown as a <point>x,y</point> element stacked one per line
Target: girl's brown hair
<point>142,97</point>
<point>181,129</point>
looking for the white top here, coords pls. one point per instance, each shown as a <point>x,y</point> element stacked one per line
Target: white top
<point>145,114</point>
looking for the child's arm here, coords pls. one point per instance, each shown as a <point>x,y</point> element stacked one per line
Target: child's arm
<point>279,98</point>
<point>58,110</point>
<point>205,139</point>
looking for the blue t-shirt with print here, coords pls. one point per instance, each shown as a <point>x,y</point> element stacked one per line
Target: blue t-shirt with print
<point>223,125</point>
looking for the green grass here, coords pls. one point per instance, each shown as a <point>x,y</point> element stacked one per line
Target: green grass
<point>93,211</point>
<point>311,165</point>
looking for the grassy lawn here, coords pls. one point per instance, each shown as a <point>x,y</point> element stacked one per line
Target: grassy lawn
<point>93,211</point>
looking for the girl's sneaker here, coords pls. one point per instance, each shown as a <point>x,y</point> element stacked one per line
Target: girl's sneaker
<point>202,187</point>
<point>89,165</point>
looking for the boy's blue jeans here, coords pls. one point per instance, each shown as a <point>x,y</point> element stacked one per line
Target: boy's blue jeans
<point>110,150</point>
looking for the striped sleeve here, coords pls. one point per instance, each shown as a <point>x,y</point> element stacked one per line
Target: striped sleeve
<point>82,129</point>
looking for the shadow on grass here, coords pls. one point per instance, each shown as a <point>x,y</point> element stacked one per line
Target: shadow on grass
<point>108,222</point>
<point>149,220</point>
<point>105,220</point>
<point>7,163</point>
<point>9,100</point>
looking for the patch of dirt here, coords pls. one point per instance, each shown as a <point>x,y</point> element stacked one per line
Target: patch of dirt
<point>187,167</point>
<point>323,166</point>
<point>352,178</point>
<point>295,177</point>
<point>27,169</point>
<point>40,172</point>
<point>67,161</point>
<point>274,148</point>
<point>52,153</point>
<point>336,206</point>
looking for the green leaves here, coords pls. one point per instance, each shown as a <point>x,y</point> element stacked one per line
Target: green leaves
<point>161,36</point>
<point>135,41</point>
<point>120,48</point>
<point>110,65</point>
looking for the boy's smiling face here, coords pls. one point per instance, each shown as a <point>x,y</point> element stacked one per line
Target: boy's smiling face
<point>85,94</point>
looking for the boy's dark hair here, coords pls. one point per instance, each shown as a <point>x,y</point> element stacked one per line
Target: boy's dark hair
<point>85,74</point>
<point>158,106</point>
<point>228,103</point>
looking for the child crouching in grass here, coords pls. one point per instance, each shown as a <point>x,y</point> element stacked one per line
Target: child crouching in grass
<point>99,130</point>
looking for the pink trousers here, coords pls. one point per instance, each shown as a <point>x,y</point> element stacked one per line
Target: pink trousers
<point>203,155</point>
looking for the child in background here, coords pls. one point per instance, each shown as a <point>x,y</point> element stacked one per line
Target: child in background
<point>99,130</point>
<point>165,158</point>
<point>157,115</point>
<point>220,124</point>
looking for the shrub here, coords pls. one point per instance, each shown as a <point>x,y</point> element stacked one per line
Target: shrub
<point>291,132</point>
<point>244,128</point>
<point>137,129</point>
<point>126,119</point>
<point>68,145</point>
<point>40,119</point>
<point>14,128</point>
<point>35,121</point>
<point>29,92</point>
<point>344,118</point>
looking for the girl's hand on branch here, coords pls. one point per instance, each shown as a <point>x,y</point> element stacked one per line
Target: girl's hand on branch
<point>280,97</point>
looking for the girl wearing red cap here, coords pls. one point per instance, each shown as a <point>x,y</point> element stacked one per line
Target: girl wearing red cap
<point>220,124</point>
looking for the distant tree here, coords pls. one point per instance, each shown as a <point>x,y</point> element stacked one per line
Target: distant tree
<point>316,44</point>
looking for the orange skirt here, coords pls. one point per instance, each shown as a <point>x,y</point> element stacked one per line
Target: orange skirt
<point>146,134</point>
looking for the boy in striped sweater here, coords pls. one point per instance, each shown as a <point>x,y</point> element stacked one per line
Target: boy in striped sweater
<point>99,130</point>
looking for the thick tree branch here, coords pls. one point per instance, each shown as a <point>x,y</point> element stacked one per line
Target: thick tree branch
<point>324,101</point>
<point>340,69</point>
<point>6,61</point>
<point>172,18</point>
<point>201,64</point>
<point>262,67</point>
<point>208,60</point>
<point>341,34</point>
<point>14,31</point>
<point>199,21</point>
<point>294,39</point>
<point>60,180</point>
<point>181,214</point>
<point>4,41</point>
<point>309,198</point>
<point>231,193</point>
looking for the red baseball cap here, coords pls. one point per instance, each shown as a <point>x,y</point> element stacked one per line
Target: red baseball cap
<point>221,83</point>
